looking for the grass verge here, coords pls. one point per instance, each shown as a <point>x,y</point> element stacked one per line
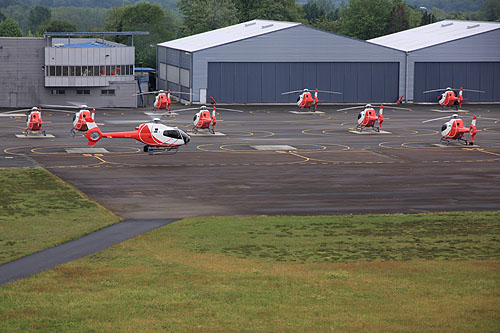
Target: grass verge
<point>38,210</point>
<point>424,272</point>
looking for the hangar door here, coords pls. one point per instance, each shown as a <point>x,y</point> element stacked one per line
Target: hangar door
<point>247,82</point>
<point>483,76</point>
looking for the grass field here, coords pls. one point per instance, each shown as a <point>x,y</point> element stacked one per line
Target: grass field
<point>38,210</point>
<point>424,272</point>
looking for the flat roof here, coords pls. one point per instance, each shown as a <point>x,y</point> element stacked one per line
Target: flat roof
<point>433,34</point>
<point>226,35</point>
<point>95,33</point>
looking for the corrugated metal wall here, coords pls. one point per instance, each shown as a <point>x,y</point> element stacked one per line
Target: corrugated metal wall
<point>302,45</point>
<point>476,49</point>
<point>174,60</point>
<point>264,82</point>
<point>483,76</point>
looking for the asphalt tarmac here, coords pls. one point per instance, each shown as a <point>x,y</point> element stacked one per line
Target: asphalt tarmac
<point>273,162</point>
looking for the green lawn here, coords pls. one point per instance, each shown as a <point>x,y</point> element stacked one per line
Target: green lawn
<point>38,210</point>
<point>424,272</point>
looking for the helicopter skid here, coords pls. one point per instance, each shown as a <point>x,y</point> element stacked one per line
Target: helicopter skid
<point>370,132</point>
<point>454,145</point>
<point>449,111</point>
<point>162,113</point>
<point>307,112</point>
<point>34,136</point>
<point>206,134</point>
<point>160,150</point>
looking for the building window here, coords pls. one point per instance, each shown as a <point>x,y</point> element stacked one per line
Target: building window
<point>78,71</point>
<point>58,91</point>
<point>108,70</point>
<point>65,70</point>
<point>58,70</point>
<point>52,70</point>
<point>96,70</point>
<point>102,70</point>
<point>108,92</point>
<point>83,92</point>
<point>71,71</point>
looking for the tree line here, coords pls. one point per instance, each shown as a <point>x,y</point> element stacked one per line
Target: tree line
<point>363,19</point>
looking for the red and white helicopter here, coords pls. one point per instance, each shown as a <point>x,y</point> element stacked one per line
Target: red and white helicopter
<point>448,97</point>
<point>80,117</point>
<point>368,116</point>
<point>203,119</point>
<point>156,136</point>
<point>454,129</point>
<point>306,99</point>
<point>33,120</point>
<point>163,98</point>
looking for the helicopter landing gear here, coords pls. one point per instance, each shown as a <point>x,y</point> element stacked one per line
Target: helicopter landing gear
<point>72,132</point>
<point>167,150</point>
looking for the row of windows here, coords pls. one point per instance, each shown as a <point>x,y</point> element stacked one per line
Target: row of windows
<point>89,70</point>
<point>82,92</point>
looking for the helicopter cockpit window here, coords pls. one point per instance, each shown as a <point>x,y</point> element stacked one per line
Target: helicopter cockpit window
<point>156,130</point>
<point>172,134</point>
<point>443,128</point>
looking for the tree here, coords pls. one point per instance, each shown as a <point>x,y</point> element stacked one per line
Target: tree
<point>141,17</point>
<point>38,15</point>
<point>56,26</point>
<point>491,10</point>
<point>365,19</point>
<point>2,17</point>
<point>201,15</point>
<point>319,10</point>
<point>278,10</point>
<point>398,21</point>
<point>10,28</point>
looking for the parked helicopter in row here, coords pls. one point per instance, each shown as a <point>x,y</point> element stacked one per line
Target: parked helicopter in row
<point>156,137</point>
<point>449,99</point>
<point>34,120</point>
<point>203,119</point>
<point>306,99</point>
<point>368,117</point>
<point>163,99</point>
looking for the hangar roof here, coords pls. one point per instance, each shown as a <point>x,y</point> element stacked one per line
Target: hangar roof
<point>226,35</point>
<point>434,34</point>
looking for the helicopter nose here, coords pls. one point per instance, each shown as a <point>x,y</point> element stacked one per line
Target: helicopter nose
<point>185,137</point>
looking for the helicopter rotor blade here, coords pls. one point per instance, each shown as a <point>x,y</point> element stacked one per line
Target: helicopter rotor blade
<point>472,90</point>
<point>433,90</point>
<point>233,110</point>
<point>351,108</point>
<point>182,110</point>
<point>330,92</point>
<point>396,107</point>
<point>446,117</point>
<point>292,92</point>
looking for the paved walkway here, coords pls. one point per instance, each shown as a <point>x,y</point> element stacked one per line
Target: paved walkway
<point>92,243</point>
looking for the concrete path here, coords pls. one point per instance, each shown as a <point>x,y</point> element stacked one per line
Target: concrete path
<point>92,243</point>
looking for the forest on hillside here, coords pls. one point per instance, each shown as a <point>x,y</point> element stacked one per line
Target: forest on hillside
<point>170,19</point>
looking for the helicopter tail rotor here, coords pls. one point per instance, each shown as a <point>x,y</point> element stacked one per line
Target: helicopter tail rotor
<point>380,116</point>
<point>460,97</point>
<point>315,99</point>
<point>93,134</point>
<point>473,130</point>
